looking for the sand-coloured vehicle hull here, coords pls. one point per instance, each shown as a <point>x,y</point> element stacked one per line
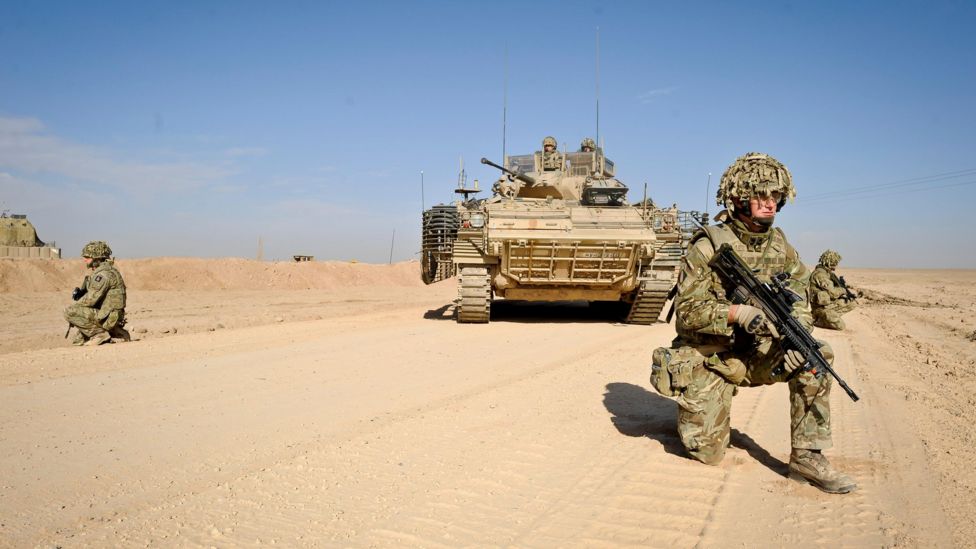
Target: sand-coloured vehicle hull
<point>558,234</point>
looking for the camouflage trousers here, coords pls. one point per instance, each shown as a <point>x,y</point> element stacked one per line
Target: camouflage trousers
<point>705,407</point>
<point>86,320</point>
<point>829,317</point>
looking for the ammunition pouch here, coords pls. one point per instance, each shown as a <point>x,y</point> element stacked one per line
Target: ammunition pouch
<point>671,369</point>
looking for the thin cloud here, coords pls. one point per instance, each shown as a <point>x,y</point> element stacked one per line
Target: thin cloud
<point>381,173</point>
<point>298,184</point>
<point>26,147</point>
<point>649,95</point>
<point>229,189</point>
<point>238,152</point>
<point>312,210</point>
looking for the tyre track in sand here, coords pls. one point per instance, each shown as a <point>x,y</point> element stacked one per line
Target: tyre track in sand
<point>869,444</point>
<point>400,431</point>
<point>231,441</point>
<point>517,462</point>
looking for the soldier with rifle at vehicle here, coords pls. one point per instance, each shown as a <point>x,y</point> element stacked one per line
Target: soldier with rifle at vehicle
<point>552,159</point>
<point>742,320</point>
<point>830,298</point>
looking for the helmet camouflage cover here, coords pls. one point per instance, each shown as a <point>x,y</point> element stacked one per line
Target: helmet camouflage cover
<point>549,140</point>
<point>755,174</point>
<point>588,143</point>
<point>96,249</point>
<point>830,258</point>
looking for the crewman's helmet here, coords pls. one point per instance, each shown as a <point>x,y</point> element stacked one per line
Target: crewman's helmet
<point>588,144</point>
<point>830,258</point>
<point>96,249</point>
<point>549,140</point>
<point>753,175</point>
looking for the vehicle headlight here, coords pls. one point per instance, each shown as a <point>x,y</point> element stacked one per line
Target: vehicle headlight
<point>477,220</point>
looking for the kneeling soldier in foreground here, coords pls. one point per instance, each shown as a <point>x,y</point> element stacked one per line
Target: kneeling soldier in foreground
<point>721,346</point>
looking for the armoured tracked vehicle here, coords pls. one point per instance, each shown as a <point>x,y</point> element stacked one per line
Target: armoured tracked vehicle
<point>558,227</point>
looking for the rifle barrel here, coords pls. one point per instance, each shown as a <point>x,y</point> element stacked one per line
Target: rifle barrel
<point>777,306</point>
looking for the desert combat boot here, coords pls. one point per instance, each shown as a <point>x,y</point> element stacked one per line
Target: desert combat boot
<point>811,466</point>
<point>98,339</point>
<point>119,332</point>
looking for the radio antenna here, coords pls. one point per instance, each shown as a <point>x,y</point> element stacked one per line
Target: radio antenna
<point>462,175</point>
<point>598,84</point>
<point>644,202</point>
<point>708,185</point>
<point>505,106</point>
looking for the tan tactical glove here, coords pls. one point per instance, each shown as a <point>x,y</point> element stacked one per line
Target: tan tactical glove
<point>793,360</point>
<point>752,320</point>
<point>732,369</point>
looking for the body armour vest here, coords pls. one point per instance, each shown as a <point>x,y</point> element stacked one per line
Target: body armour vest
<point>766,254</point>
<point>114,300</point>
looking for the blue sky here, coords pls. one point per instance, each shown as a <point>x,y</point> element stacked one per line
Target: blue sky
<point>193,129</point>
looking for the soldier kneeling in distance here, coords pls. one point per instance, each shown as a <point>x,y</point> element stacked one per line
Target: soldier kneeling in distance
<point>829,297</point>
<point>99,311</point>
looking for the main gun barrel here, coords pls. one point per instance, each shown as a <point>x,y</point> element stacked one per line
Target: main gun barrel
<point>516,175</point>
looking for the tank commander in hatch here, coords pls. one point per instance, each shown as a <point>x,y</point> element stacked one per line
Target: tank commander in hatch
<point>99,311</point>
<point>830,298</point>
<point>721,347</point>
<point>587,145</point>
<point>552,159</point>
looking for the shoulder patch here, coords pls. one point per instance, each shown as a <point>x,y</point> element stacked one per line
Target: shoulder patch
<point>98,278</point>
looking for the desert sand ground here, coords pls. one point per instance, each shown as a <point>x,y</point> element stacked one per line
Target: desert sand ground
<point>336,404</point>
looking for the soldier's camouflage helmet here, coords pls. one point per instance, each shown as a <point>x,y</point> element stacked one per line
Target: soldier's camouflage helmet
<point>96,249</point>
<point>830,258</point>
<point>588,143</point>
<point>755,174</point>
<point>549,140</point>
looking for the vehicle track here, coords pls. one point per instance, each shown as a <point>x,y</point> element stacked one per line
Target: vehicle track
<point>396,430</point>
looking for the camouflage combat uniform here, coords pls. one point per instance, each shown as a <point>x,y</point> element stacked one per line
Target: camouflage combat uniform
<point>828,299</point>
<point>101,310</point>
<point>719,357</point>
<point>721,345</point>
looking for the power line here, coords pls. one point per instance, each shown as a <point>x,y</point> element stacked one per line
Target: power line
<point>895,184</point>
<point>880,193</point>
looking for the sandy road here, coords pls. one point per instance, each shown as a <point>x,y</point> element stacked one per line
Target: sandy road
<point>399,428</point>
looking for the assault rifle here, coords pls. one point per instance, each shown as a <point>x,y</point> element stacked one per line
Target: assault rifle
<point>843,284</point>
<point>79,292</point>
<point>776,301</point>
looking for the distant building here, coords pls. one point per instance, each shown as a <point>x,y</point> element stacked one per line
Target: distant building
<point>18,238</point>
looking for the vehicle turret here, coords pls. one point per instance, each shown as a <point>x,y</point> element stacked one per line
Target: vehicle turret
<point>558,227</point>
